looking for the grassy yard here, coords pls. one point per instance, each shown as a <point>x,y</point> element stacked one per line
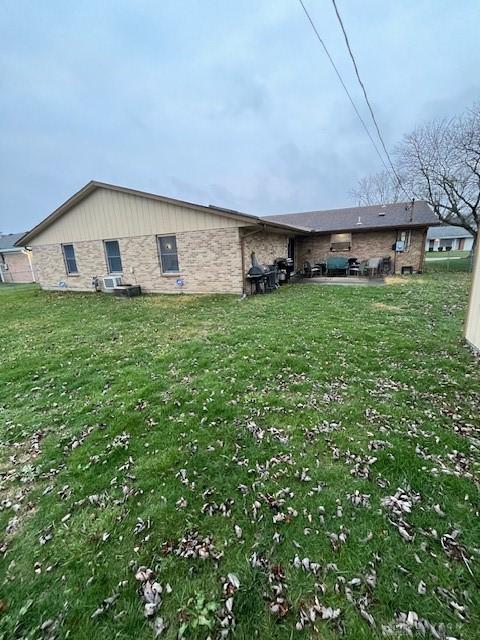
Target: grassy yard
<point>446,262</point>
<point>299,462</point>
<point>445,255</point>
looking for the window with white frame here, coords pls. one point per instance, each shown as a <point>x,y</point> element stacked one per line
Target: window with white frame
<point>69,258</point>
<point>167,246</point>
<point>405,237</point>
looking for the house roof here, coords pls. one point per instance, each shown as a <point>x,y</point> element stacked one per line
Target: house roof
<point>8,241</point>
<point>448,231</point>
<point>93,185</point>
<point>362,218</point>
<point>349,219</point>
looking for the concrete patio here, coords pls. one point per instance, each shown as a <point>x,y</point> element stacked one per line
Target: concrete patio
<point>345,281</point>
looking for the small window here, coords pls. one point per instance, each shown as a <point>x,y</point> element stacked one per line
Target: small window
<point>340,242</point>
<point>405,238</point>
<point>168,254</point>
<point>69,257</point>
<point>114,261</point>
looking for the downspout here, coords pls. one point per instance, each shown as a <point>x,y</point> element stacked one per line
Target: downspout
<point>242,252</point>
<point>422,256</point>
<point>28,253</point>
<point>395,253</point>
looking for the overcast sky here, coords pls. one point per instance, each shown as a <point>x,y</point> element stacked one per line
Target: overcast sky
<point>229,102</point>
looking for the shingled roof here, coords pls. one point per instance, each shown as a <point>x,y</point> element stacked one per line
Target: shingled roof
<point>93,185</point>
<point>8,240</point>
<point>387,216</point>
<point>384,216</point>
<point>448,231</point>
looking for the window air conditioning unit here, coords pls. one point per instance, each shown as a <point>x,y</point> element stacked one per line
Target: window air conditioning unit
<point>110,282</point>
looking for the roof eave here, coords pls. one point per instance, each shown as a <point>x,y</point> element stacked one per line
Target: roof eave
<point>362,228</point>
<point>59,211</point>
<point>91,186</point>
<point>14,249</point>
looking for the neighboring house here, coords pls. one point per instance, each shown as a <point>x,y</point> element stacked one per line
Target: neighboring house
<point>472,323</point>
<point>448,238</point>
<point>15,261</point>
<point>168,245</point>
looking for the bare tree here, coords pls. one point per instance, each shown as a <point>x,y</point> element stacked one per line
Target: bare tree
<point>378,188</point>
<point>440,163</point>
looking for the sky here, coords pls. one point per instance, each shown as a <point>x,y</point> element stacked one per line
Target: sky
<point>225,102</point>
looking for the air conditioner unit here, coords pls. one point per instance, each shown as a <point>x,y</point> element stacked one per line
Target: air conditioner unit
<point>110,282</point>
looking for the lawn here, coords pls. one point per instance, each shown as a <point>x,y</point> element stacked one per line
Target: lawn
<point>446,255</point>
<point>288,464</point>
<point>445,261</point>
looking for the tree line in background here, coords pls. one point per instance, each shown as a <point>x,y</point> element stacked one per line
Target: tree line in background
<point>438,162</point>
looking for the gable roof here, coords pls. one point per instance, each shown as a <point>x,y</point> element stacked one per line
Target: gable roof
<point>362,218</point>
<point>324,221</point>
<point>93,185</point>
<point>448,231</point>
<point>8,241</point>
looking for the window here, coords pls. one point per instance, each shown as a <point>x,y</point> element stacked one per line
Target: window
<point>340,242</point>
<point>168,254</point>
<point>405,238</point>
<point>69,257</point>
<point>114,261</point>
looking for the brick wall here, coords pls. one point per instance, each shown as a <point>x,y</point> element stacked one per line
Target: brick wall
<point>18,267</point>
<point>267,247</point>
<point>209,262</point>
<point>370,244</point>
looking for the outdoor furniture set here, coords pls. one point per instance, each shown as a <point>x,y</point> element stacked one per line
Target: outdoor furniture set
<point>341,266</point>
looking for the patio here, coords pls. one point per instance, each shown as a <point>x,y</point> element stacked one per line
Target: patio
<point>347,281</point>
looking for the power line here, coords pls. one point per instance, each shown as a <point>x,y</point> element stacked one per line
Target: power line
<point>344,85</point>
<point>366,98</point>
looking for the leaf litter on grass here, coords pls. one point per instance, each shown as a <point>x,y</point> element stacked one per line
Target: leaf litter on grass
<point>350,494</point>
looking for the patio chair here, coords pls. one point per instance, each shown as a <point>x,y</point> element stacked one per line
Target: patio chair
<point>374,266</point>
<point>309,271</point>
<point>363,266</point>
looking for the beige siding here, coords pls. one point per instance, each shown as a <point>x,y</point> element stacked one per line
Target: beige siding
<point>472,325</point>
<point>108,214</point>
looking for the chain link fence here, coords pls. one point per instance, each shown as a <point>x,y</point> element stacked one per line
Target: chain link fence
<point>445,263</point>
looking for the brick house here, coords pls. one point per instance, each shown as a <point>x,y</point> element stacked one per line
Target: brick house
<point>15,261</point>
<point>168,245</point>
<point>397,231</point>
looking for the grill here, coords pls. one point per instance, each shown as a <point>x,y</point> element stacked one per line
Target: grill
<point>263,278</point>
<point>285,269</point>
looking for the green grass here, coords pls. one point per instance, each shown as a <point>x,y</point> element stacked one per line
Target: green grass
<point>445,255</point>
<point>447,265</point>
<point>237,393</point>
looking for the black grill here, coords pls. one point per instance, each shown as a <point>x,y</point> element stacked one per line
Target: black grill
<point>263,278</point>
